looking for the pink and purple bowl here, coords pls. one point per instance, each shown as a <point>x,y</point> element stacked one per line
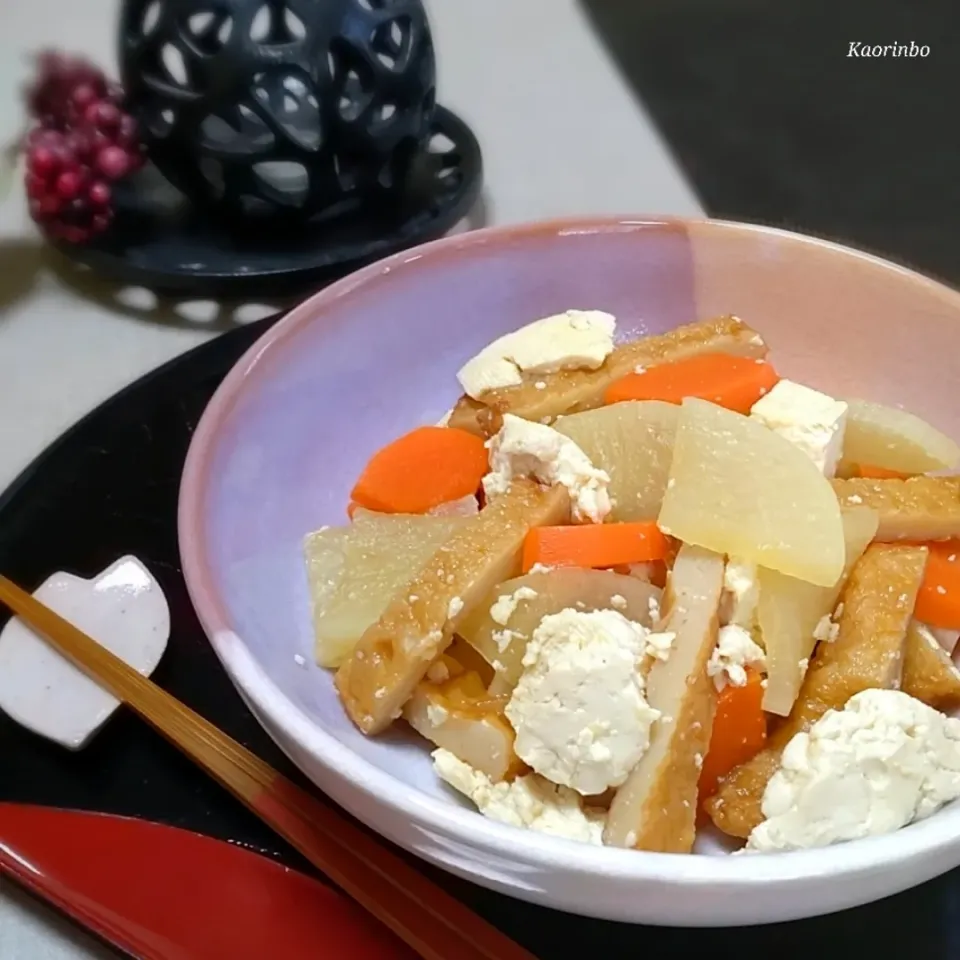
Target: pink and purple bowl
<point>374,355</point>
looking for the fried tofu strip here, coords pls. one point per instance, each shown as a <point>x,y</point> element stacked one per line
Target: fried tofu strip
<point>394,654</point>
<point>921,508</point>
<point>569,391</point>
<point>929,673</point>
<point>868,653</point>
<point>656,808</point>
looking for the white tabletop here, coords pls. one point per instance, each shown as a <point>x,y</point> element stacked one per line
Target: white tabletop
<point>561,134</point>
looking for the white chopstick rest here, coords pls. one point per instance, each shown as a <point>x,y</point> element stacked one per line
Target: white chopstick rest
<point>123,608</point>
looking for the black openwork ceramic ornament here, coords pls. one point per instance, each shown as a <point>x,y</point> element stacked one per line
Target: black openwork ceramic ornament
<point>296,109</point>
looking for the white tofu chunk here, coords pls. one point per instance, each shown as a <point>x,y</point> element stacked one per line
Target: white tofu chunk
<point>807,418</point>
<point>573,340</point>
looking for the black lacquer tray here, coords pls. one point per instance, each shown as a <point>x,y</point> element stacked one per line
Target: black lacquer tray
<point>109,487</point>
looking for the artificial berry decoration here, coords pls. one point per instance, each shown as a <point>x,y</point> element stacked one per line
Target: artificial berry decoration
<point>83,142</point>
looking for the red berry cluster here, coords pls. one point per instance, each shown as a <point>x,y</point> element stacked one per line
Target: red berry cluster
<point>83,141</point>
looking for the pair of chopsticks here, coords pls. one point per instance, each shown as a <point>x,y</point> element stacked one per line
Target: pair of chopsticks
<point>433,923</point>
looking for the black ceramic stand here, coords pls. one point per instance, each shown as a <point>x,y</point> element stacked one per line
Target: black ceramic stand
<point>181,250</point>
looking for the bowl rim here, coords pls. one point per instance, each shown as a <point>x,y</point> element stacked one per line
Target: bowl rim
<point>283,719</point>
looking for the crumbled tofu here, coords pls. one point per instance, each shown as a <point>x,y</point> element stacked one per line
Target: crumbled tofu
<point>574,340</point>
<point>438,672</point>
<point>659,645</point>
<point>807,418</point>
<point>528,801</point>
<point>506,605</point>
<point>735,651</point>
<point>826,631</point>
<point>882,762</point>
<point>437,714</point>
<point>299,661</point>
<point>503,638</point>
<point>741,594</point>
<point>618,602</point>
<point>653,605</point>
<point>579,710</point>
<point>526,449</point>
<point>540,568</point>
<point>454,607</point>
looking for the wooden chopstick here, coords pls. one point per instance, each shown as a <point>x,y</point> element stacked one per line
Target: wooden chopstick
<point>433,923</point>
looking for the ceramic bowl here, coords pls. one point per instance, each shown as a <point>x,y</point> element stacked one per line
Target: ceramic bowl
<point>374,355</point>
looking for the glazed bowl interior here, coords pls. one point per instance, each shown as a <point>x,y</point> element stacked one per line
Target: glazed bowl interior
<point>376,354</point>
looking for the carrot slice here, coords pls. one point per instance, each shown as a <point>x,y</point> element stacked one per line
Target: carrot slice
<point>880,473</point>
<point>739,732</point>
<point>594,545</point>
<point>422,469</point>
<point>938,600</point>
<point>736,383</point>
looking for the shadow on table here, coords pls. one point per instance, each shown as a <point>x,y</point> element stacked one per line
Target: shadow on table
<point>139,303</point>
<point>215,315</point>
<point>773,122</point>
<point>21,262</point>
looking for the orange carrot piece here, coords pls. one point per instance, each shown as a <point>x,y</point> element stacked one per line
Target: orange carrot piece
<point>880,473</point>
<point>594,545</point>
<point>938,600</point>
<point>739,732</point>
<point>422,469</point>
<point>736,383</point>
